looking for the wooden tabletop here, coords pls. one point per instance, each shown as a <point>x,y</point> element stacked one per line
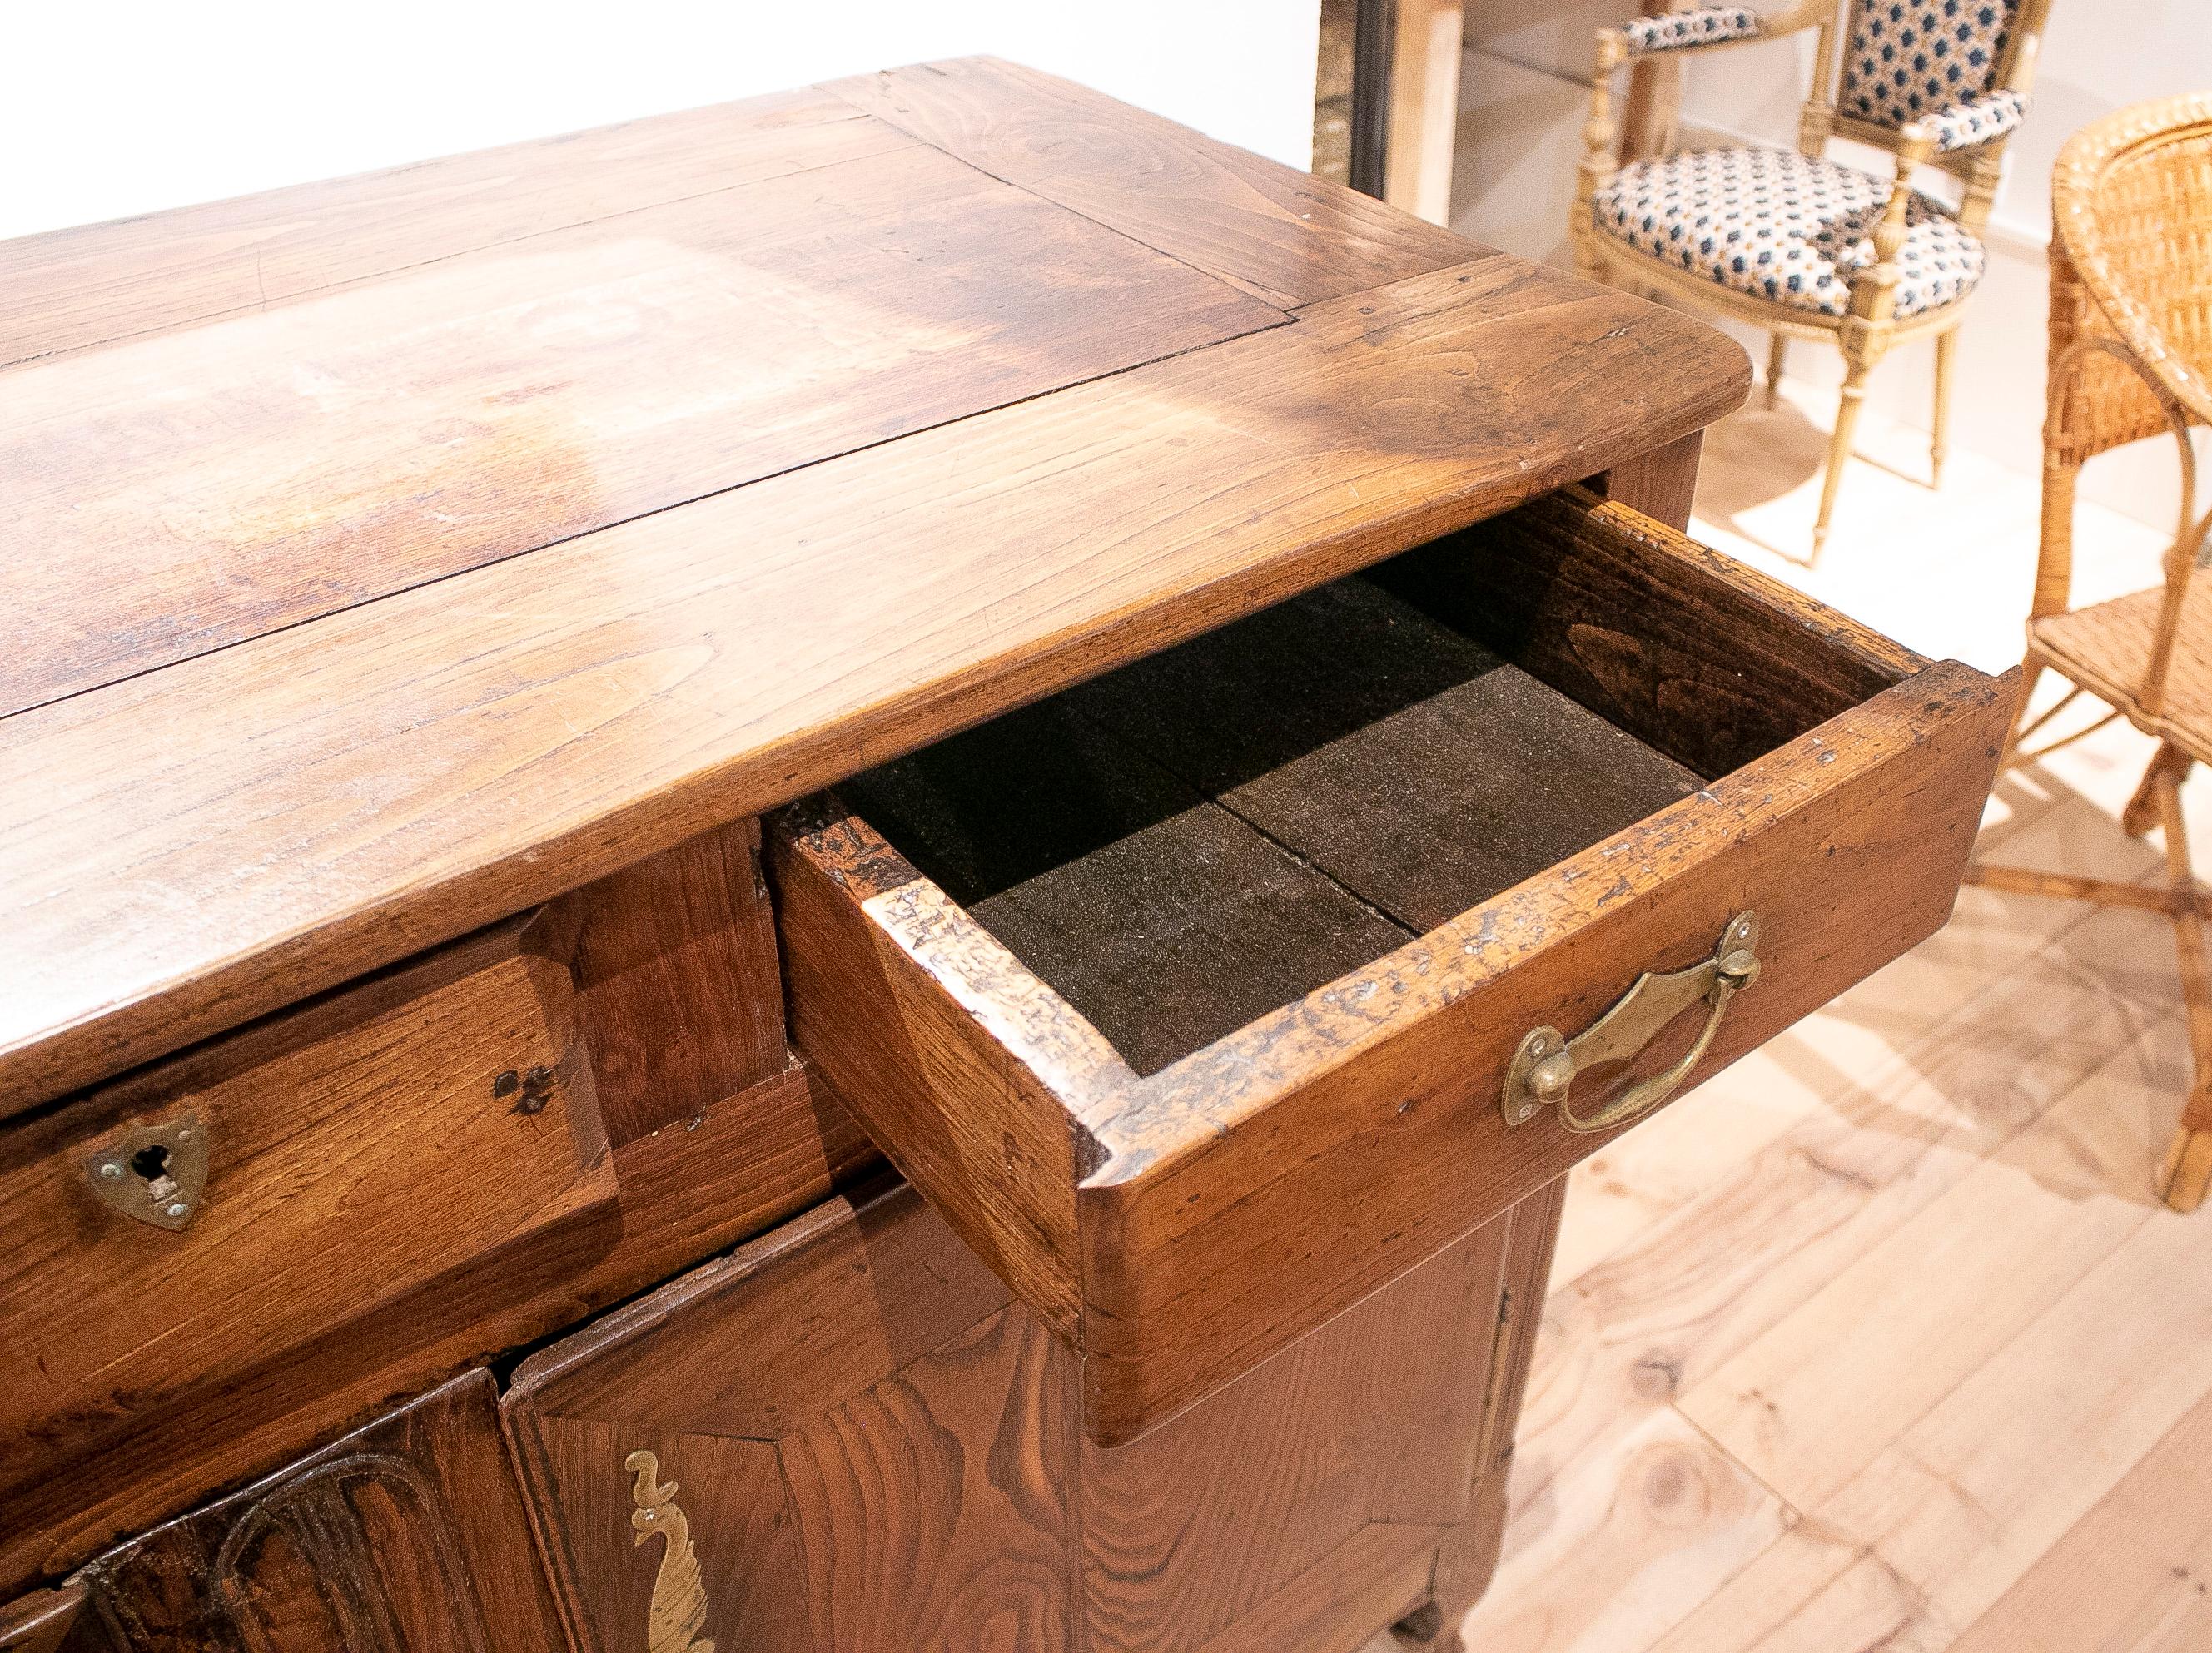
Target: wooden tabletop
<point>389,554</point>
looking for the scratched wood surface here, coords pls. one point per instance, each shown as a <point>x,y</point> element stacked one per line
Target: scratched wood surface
<point>1263,381</point>
<point>213,483</point>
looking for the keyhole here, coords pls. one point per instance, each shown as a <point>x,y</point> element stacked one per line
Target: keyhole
<point>153,1165</point>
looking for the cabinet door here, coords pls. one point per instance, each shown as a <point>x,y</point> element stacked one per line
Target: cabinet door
<point>847,1439</point>
<point>1303,1506</point>
<point>407,1536</point>
<point>842,1437</point>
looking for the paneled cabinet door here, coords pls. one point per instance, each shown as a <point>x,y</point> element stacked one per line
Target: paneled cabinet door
<point>846,1438</point>
<point>407,1536</point>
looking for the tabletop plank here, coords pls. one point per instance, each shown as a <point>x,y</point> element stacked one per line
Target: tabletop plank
<point>215,483</point>
<point>1282,235</point>
<point>73,288</point>
<point>208,842</point>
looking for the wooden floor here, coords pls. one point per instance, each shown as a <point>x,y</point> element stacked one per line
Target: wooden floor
<point>1880,1340</point>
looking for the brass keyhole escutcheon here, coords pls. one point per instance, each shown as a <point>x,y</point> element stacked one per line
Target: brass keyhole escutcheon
<point>153,1174</point>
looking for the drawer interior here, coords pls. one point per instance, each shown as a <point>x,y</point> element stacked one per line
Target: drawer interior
<point>1207,834</point>
<point>1190,995</point>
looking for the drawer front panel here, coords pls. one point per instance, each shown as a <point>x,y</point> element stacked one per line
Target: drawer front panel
<point>1177,1225</point>
<point>368,1154</point>
<point>1259,1188</point>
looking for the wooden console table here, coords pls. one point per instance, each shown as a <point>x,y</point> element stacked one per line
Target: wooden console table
<point>452,1043</point>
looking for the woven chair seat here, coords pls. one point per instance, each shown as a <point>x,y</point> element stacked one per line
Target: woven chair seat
<point>2105,648</point>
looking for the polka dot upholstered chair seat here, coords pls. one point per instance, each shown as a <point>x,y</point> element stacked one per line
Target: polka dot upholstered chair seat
<point>1790,228</point>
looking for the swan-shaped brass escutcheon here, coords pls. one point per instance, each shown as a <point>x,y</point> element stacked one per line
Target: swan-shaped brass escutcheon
<point>1543,1069</point>
<point>679,1611</point>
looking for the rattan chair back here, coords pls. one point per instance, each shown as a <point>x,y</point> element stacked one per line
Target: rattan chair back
<point>2131,324</point>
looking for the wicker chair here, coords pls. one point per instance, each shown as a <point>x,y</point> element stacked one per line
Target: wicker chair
<point>1803,247</point>
<point>2131,358</point>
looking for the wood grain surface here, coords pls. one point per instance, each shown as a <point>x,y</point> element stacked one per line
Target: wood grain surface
<point>877,1470</point>
<point>86,286</point>
<point>410,1533</point>
<point>1709,661</point>
<point>676,980</point>
<point>907,1471</point>
<point>684,1192</point>
<point>1469,1556</point>
<point>1282,235</point>
<point>36,1623</point>
<point>218,482</point>
<point>360,1152</point>
<point>401,771</point>
<point>1231,1506</point>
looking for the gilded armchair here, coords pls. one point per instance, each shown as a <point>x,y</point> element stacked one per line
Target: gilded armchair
<point>1802,246</point>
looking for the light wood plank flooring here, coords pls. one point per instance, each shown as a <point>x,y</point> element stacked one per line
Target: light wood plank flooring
<point>1880,1340</point>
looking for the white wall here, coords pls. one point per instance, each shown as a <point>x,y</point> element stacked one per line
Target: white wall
<point>114,107</point>
<point>1527,79</point>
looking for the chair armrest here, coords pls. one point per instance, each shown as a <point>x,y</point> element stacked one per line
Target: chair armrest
<point>1976,121</point>
<point>1706,29</point>
<point>1673,31</point>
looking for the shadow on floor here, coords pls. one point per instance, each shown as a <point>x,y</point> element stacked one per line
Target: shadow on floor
<point>2066,989</point>
<point>1759,454</point>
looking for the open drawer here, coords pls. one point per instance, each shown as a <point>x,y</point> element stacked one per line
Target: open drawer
<point>1206,998</point>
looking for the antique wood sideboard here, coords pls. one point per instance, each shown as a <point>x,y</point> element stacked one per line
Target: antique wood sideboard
<point>847,874</point>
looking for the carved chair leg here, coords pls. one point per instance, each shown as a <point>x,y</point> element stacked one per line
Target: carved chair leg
<point>2185,1173</point>
<point>1939,443</point>
<point>1775,354</point>
<point>1840,452</point>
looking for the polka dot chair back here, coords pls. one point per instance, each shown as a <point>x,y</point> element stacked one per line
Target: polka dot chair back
<point>1904,60</point>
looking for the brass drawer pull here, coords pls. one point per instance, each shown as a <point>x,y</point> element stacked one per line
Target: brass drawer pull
<point>1543,1069</point>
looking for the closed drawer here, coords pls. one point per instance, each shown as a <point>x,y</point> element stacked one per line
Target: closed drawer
<point>1207,998</point>
<point>208,1243</point>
